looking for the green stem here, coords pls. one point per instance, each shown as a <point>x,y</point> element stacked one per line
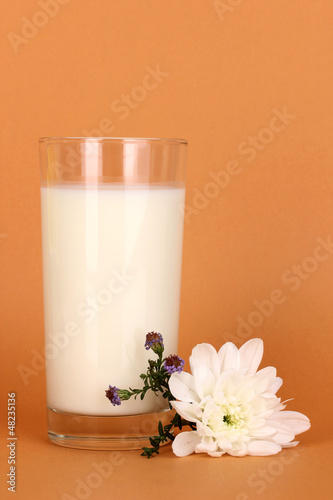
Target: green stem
<point>157,380</point>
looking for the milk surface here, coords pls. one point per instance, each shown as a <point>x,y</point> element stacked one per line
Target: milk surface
<point>112,271</point>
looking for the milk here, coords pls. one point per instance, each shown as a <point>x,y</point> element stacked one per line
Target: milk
<point>112,271</point>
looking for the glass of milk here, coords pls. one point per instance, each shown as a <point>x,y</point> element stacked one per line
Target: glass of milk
<point>112,234</point>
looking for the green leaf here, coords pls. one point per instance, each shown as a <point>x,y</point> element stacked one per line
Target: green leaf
<point>159,387</point>
<point>153,442</point>
<point>170,436</point>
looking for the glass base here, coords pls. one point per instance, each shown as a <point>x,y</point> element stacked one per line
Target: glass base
<point>127,432</point>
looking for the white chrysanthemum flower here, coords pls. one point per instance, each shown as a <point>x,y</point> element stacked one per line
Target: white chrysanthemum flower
<point>233,406</point>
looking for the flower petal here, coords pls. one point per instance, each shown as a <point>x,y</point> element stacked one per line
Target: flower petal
<point>216,453</point>
<point>189,411</point>
<point>229,357</point>
<point>268,372</point>
<point>224,444</point>
<point>265,414</point>
<point>239,449</point>
<point>275,385</point>
<point>250,387</point>
<point>257,423</point>
<point>182,387</point>
<point>260,448</point>
<point>271,401</point>
<point>259,406</point>
<point>297,422</point>
<point>290,445</point>
<point>265,431</point>
<point>206,446</point>
<point>185,443</point>
<point>251,355</point>
<point>284,435</point>
<point>205,355</point>
<point>204,381</point>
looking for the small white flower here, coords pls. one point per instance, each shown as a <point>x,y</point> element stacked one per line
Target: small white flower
<point>233,405</point>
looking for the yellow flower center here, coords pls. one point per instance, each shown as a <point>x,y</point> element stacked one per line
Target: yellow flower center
<point>225,417</point>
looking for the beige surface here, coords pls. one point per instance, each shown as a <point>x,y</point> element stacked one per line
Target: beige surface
<point>253,212</point>
<point>48,471</point>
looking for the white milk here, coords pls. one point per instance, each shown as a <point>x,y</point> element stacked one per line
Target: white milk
<point>112,270</point>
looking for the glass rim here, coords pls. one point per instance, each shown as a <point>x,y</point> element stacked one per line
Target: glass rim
<point>152,140</point>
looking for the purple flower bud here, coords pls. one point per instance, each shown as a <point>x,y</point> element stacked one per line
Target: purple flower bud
<point>112,395</point>
<point>154,341</point>
<point>173,364</point>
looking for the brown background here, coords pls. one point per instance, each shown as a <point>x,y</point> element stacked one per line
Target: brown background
<point>225,70</point>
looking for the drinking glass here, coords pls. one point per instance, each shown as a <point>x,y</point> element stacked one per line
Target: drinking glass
<point>112,233</point>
